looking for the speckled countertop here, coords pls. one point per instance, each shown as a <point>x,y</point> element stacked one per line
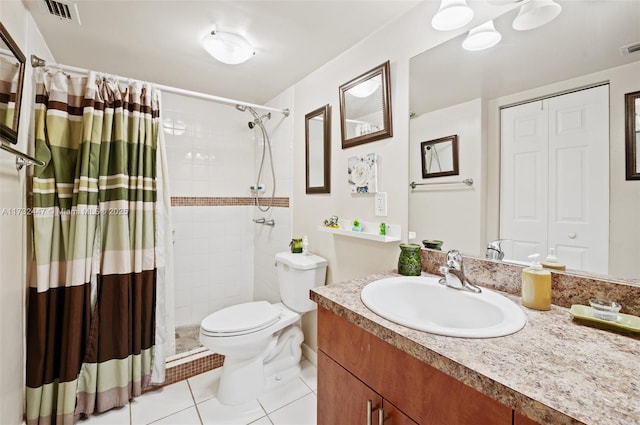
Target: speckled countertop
<point>555,370</point>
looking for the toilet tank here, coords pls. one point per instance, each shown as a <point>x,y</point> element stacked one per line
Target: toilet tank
<point>297,274</point>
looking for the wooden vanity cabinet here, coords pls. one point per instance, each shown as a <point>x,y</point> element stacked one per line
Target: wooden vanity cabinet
<point>355,366</point>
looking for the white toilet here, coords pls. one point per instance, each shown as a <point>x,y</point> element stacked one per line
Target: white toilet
<point>261,341</point>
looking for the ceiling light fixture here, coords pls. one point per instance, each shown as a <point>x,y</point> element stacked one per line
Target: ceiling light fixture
<point>482,37</point>
<point>366,88</point>
<point>503,2</point>
<point>453,14</point>
<point>535,14</point>
<point>227,47</point>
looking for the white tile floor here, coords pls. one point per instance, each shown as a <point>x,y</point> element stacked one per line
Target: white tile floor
<point>193,402</point>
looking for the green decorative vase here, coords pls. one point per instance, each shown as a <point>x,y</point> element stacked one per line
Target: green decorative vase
<point>409,262</point>
<point>296,245</point>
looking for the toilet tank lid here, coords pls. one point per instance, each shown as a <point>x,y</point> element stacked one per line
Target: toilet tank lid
<point>301,261</point>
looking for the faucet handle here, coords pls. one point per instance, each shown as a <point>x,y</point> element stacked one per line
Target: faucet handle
<point>494,250</point>
<point>454,259</point>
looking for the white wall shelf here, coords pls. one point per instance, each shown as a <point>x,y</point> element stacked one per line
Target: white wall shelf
<point>370,231</point>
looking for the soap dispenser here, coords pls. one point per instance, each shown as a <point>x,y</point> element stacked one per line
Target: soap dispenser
<point>551,262</point>
<point>536,286</point>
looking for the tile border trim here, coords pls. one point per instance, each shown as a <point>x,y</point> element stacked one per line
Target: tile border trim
<point>226,201</point>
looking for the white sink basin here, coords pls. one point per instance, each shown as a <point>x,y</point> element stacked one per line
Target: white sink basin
<point>421,303</point>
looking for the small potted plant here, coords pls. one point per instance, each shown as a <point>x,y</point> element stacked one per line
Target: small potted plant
<point>356,225</point>
<point>296,245</point>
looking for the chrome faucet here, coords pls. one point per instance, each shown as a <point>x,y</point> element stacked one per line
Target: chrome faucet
<point>494,250</point>
<point>454,273</point>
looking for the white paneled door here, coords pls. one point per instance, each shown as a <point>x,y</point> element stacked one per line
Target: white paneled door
<point>555,179</point>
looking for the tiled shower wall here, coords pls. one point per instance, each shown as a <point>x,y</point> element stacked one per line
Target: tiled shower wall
<point>212,163</point>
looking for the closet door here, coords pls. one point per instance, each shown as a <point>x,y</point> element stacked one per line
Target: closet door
<point>524,180</point>
<point>579,178</point>
<point>555,179</point>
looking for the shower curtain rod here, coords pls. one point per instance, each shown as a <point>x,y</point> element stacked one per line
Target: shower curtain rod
<point>36,62</point>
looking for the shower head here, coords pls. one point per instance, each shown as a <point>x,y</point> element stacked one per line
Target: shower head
<point>258,119</point>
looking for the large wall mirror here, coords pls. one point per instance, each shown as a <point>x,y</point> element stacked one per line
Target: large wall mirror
<point>464,95</point>
<point>632,125</point>
<point>12,62</point>
<point>318,150</point>
<point>365,107</point>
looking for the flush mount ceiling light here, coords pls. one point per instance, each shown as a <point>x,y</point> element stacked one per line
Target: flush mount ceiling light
<point>227,47</point>
<point>535,14</point>
<point>453,14</point>
<point>503,2</point>
<point>366,88</point>
<point>482,37</point>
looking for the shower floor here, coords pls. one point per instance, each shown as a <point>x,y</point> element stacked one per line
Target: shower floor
<point>187,338</point>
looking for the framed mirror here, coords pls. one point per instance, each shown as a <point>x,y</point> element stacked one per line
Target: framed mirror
<point>365,107</point>
<point>12,62</point>
<point>318,150</point>
<point>439,157</point>
<point>632,135</point>
<point>464,95</point>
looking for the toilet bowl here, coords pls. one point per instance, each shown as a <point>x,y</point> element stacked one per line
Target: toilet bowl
<point>261,341</point>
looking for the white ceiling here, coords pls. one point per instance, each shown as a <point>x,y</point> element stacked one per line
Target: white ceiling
<point>159,40</point>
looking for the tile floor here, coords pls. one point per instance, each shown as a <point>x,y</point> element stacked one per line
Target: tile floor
<point>193,402</point>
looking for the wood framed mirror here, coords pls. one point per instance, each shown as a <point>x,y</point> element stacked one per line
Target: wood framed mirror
<point>632,135</point>
<point>439,157</point>
<point>365,107</point>
<point>318,150</point>
<point>12,62</point>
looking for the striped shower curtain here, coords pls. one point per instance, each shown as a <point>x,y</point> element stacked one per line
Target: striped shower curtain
<point>9,73</point>
<point>91,325</point>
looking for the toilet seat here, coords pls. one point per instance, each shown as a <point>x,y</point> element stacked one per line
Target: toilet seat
<point>240,319</point>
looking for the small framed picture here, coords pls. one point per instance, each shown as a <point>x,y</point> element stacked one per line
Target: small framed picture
<point>439,157</point>
<point>363,173</point>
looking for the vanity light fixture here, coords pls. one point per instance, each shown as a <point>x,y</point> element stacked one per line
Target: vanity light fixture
<point>482,37</point>
<point>536,13</point>
<point>227,47</point>
<point>453,14</point>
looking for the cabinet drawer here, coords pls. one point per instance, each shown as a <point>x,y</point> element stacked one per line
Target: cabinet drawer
<point>424,393</point>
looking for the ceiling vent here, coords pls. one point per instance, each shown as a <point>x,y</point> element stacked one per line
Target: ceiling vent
<point>630,48</point>
<point>62,9</point>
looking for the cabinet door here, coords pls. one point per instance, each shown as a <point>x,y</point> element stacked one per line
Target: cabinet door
<point>520,419</point>
<point>342,398</point>
<point>393,416</point>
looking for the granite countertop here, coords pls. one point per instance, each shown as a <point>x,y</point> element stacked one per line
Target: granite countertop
<point>555,370</point>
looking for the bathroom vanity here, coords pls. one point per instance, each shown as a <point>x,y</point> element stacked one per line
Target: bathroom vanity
<point>355,366</point>
<point>554,370</point>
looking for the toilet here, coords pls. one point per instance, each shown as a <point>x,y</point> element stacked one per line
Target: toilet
<point>261,341</point>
